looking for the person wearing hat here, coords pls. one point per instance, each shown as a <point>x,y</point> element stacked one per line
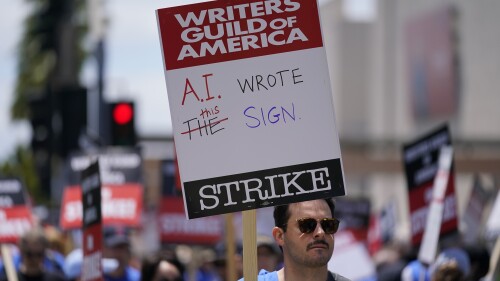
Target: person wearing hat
<point>268,254</point>
<point>221,264</point>
<point>452,264</point>
<point>117,246</point>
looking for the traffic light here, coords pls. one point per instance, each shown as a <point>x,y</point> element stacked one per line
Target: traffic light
<point>123,123</point>
<point>40,115</point>
<point>73,112</point>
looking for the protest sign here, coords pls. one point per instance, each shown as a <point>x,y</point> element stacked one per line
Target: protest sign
<point>170,184</point>
<point>429,246</point>
<point>421,166</point>
<point>15,214</point>
<point>121,204</point>
<point>118,165</point>
<point>251,104</point>
<point>174,228</point>
<point>473,216</point>
<point>351,258</point>
<point>92,223</point>
<point>493,222</point>
<point>122,191</point>
<point>354,215</point>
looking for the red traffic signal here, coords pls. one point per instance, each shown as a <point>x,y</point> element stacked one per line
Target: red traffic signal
<point>123,124</point>
<point>123,113</point>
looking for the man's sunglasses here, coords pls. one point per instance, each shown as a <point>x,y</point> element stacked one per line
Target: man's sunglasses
<point>308,225</point>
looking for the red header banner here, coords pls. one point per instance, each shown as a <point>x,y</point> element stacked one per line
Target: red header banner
<point>214,31</point>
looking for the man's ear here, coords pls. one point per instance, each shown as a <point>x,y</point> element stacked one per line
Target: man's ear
<point>278,234</point>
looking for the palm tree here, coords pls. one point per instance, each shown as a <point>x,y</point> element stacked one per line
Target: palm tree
<point>50,55</point>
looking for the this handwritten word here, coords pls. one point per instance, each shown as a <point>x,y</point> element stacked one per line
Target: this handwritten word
<point>258,82</point>
<point>273,115</point>
<point>207,112</point>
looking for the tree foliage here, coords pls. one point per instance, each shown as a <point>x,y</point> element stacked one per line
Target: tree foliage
<point>38,50</point>
<point>21,165</point>
<point>38,57</point>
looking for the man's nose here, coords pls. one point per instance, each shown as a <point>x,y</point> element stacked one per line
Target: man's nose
<point>319,232</point>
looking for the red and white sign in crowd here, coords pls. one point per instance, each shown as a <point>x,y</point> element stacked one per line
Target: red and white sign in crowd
<point>174,228</point>
<point>121,204</point>
<point>421,167</point>
<point>15,213</point>
<point>121,191</point>
<point>92,223</point>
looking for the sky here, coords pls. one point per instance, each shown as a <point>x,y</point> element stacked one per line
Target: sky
<point>133,70</point>
<point>11,19</point>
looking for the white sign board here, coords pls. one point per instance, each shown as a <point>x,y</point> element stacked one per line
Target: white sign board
<point>251,104</point>
<point>351,258</point>
<point>428,248</point>
<point>493,223</point>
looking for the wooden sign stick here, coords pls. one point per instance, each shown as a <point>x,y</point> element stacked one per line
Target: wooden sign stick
<point>8,264</point>
<point>230,247</point>
<point>250,245</point>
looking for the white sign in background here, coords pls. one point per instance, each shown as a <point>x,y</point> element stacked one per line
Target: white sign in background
<point>428,249</point>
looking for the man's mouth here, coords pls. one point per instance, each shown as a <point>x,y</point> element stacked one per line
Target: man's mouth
<point>318,245</point>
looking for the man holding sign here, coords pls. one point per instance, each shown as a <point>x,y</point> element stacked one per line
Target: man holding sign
<point>252,116</point>
<point>305,233</point>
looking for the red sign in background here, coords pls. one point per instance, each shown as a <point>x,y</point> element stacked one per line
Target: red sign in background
<point>92,253</point>
<point>421,160</point>
<point>175,228</point>
<point>121,204</point>
<point>15,213</point>
<point>419,206</point>
<point>14,222</point>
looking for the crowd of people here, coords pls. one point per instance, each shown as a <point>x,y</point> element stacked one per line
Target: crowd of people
<point>299,247</point>
<point>37,257</point>
<point>453,263</point>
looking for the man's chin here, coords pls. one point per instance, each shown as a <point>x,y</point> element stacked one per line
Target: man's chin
<point>319,260</point>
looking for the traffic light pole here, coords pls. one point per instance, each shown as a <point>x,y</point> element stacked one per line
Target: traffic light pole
<point>98,112</point>
<point>102,124</point>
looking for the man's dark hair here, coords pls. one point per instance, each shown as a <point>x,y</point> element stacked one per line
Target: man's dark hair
<point>282,214</point>
<point>151,263</point>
